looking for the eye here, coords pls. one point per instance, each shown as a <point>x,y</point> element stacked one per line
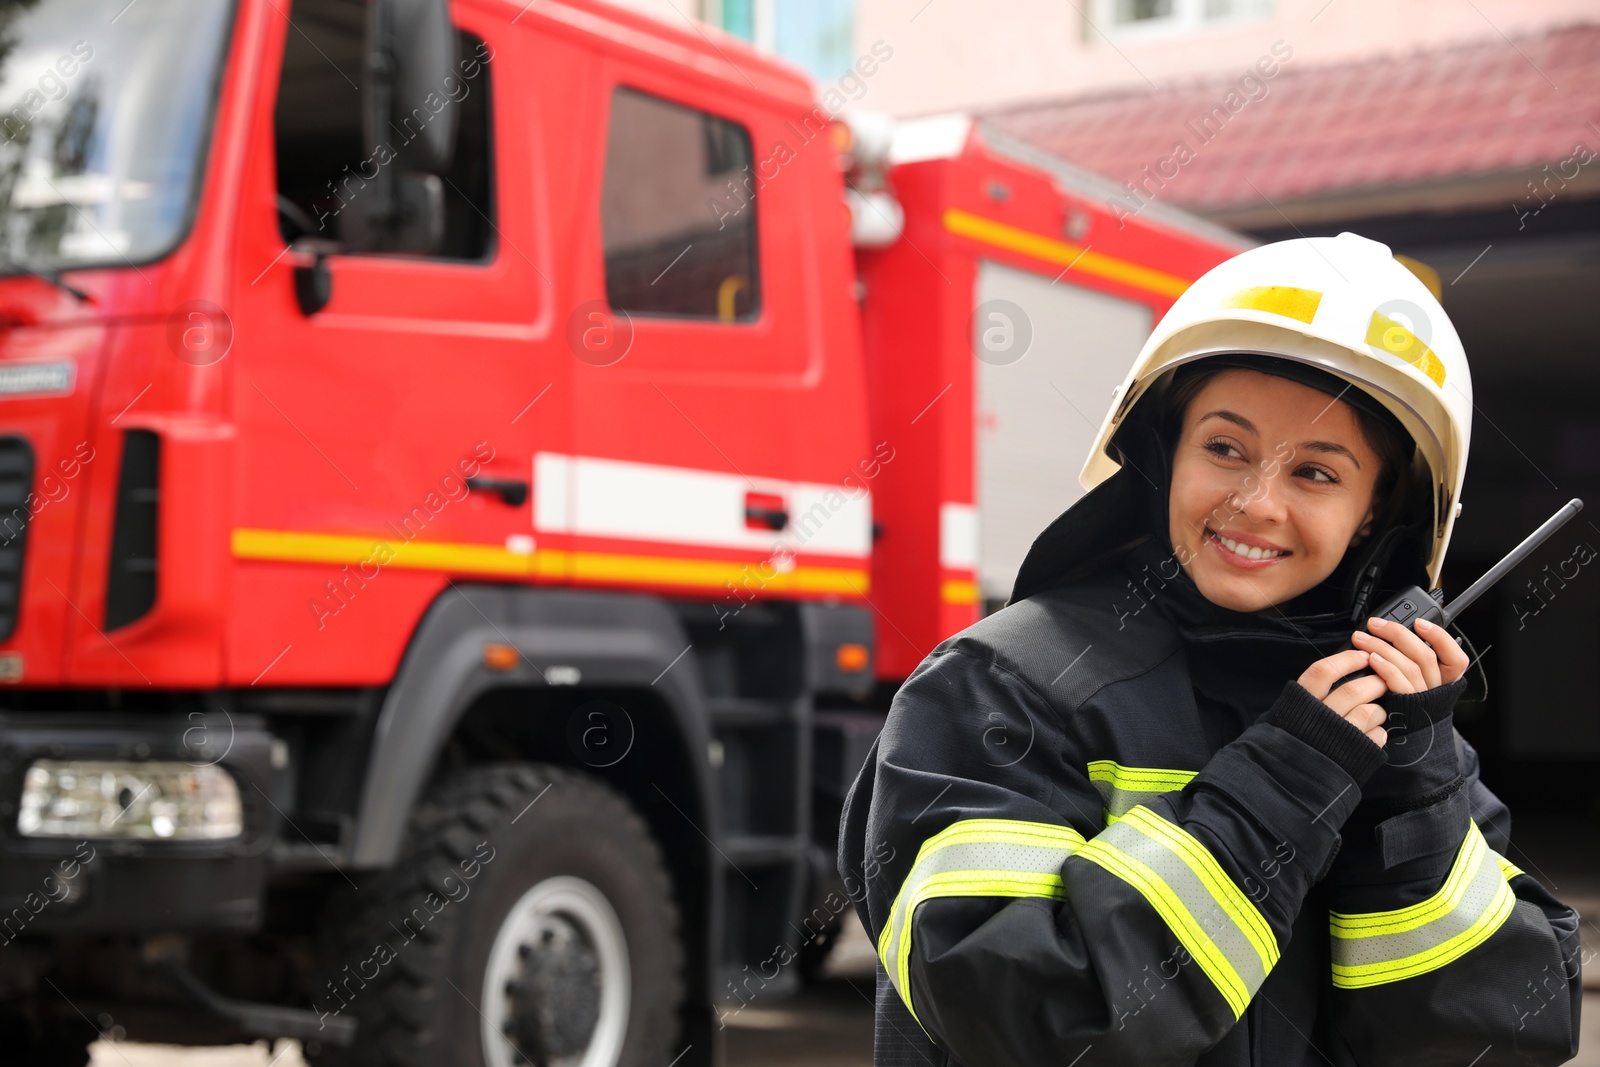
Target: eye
<point>1221,448</point>
<point>1327,478</point>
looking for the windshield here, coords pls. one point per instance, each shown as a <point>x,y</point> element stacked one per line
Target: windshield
<point>104,107</point>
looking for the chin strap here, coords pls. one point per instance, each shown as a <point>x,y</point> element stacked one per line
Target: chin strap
<point>1367,585</point>
<point>1371,565</point>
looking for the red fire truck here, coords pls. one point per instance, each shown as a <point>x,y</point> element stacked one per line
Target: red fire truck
<point>472,475</point>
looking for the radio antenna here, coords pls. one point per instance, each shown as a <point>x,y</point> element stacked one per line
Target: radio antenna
<point>1514,557</point>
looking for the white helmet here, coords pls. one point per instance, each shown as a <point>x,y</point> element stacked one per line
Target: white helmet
<point>1344,305</point>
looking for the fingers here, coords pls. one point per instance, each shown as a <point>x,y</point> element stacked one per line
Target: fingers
<point>1453,661</point>
<point>1412,647</point>
<point>1420,651</point>
<point>1392,675</point>
<point>1318,678</point>
<point>1402,673</point>
<point>1368,717</point>
<point>1354,694</point>
<point>1354,699</point>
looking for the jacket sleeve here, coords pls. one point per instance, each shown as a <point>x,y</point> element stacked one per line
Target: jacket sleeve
<point>1020,930</point>
<point>1443,950</point>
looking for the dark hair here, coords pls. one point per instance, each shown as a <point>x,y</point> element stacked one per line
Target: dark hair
<point>1394,492</point>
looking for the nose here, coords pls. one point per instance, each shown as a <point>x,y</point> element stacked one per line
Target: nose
<point>1260,500</point>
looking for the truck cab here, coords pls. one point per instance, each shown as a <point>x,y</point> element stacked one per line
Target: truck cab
<point>476,473</point>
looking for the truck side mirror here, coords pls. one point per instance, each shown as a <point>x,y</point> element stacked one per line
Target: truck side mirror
<point>410,121</point>
<point>313,285</point>
<point>411,51</point>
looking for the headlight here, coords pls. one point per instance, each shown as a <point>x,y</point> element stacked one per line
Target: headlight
<point>127,799</point>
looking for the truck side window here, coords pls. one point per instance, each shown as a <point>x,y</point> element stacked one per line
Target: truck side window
<point>324,162</point>
<point>678,212</point>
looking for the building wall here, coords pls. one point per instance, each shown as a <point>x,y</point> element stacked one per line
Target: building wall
<point>958,54</point>
<point>815,35</point>
<point>669,10</point>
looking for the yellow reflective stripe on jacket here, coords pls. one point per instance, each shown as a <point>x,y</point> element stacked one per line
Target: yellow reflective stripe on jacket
<point>1214,920</point>
<point>1372,948</point>
<point>1123,788</point>
<point>1509,869</point>
<point>974,858</point>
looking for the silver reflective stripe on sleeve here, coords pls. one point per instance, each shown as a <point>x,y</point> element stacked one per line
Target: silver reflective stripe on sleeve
<point>1371,948</point>
<point>1122,788</point>
<point>1213,919</point>
<point>974,858</point>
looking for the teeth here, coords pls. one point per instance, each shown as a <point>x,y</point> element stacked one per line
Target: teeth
<point>1247,551</point>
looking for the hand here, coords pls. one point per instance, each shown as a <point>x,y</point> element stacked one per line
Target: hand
<point>1412,662</point>
<point>1354,699</point>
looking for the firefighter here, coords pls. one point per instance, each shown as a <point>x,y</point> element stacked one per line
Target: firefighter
<point>1143,815</point>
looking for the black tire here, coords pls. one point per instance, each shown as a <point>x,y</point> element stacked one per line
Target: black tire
<point>497,831</point>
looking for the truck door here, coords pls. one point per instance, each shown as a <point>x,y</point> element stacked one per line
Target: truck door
<point>360,423</point>
<point>714,446</point>
<point>711,443</point>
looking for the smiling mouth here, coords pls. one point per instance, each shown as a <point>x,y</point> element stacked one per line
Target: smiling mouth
<point>1236,552</point>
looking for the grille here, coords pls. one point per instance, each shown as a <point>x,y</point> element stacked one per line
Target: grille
<point>16,482</point>
<point>131,585</point>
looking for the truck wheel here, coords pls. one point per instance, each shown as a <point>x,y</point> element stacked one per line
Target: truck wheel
<point>530,920</point>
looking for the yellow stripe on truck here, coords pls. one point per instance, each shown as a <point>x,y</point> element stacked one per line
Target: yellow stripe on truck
<point>288,546</point>
<point>292,546</point>
<point>1079,257</point>
<point>958,591</point>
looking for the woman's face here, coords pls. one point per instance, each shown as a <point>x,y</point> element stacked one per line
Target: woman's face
<point>1280,469</point>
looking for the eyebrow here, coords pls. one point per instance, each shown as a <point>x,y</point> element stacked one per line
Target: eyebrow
<point>1326,447</point>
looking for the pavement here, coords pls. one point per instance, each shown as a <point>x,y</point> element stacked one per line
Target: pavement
<point>830,1023</point>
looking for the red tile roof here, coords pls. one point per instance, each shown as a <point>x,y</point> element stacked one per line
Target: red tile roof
<point>1481,108</point>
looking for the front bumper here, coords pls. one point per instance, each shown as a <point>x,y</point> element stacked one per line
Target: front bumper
<point>61,885</point>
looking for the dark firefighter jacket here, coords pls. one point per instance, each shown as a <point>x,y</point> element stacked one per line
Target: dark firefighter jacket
<point>1104,826</point>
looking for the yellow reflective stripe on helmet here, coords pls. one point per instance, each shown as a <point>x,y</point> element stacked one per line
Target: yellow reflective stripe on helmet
<point>1389,336</point>
<point>1194,896</point>
<point>974,858</point>
<point>1123,788</point>
<point>1376,947</point>
<point>1285,300</point>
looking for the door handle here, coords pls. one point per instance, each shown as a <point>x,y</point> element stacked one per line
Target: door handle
<point>513,492</point>
<point>765,511</point>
